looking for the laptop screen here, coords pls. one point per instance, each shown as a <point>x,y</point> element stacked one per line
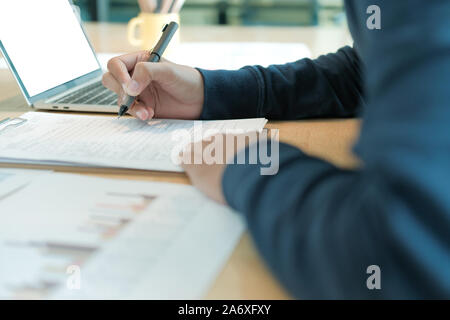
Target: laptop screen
<point>45,43</point>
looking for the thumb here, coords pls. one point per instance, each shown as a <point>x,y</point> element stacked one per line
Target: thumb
<point>146,72</point>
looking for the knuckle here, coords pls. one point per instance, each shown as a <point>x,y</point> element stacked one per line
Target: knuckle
<point>105,79</point>
<point>142,72</point>
<point>141,66</point>
<point>143,55</point>
<point>111,63</point>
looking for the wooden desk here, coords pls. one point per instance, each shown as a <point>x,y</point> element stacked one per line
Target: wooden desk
<point>245,275</point>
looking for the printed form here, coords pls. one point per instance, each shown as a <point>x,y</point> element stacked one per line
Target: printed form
<point>101,141</point>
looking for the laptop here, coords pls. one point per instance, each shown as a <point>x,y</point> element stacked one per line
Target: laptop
<point>53,62</point>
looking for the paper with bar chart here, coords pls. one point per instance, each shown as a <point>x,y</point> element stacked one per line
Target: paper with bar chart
<point>129,239</point>
<point>12,180</point>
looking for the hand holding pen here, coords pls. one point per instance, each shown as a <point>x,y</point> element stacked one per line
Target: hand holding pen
<point>155,56</point>
<point>163,89</point>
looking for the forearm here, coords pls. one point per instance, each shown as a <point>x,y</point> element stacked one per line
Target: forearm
<point>231,94</point>
<point>329,86</point>
<point>319,228</point>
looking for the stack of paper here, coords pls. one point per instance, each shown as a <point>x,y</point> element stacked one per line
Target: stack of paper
<point>64,139</point>
<point>12,180</point>
<point>73,237</point>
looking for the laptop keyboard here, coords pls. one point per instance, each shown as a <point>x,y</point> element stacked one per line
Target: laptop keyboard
<point>94,94</point>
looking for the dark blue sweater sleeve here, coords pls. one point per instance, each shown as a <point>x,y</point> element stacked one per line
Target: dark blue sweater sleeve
<point>320,227</point>
<point>329,86</point>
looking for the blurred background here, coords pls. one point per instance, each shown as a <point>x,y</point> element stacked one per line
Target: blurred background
<point>228,12</point>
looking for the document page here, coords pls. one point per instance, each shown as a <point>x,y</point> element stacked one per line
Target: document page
<point>78,237</point>
<point>12,180</point>
<point>102,141</point>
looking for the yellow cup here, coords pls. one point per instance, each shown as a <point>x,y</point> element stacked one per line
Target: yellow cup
<point>150,27</point>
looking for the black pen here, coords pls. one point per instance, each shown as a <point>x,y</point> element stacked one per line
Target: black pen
<point>155,56</point>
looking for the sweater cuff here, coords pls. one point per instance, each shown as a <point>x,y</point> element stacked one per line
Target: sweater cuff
<point>241,183</point>
<point>231,94</point>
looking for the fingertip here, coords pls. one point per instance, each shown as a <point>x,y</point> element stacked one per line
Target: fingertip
<point>141,113</point>
<point>132,110</point>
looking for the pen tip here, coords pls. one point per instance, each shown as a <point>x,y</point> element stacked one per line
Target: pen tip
<point>123,109</point>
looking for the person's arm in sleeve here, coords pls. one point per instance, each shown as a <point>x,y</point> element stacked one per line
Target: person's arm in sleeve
<point>329,86</point>
<point>320,227</point>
